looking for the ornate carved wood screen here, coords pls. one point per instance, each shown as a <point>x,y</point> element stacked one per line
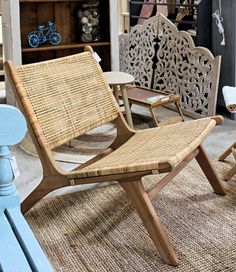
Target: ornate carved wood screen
<point>165,59</point>
<point>137,51</point>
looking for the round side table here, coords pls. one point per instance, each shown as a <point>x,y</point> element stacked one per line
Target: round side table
<point>116,79</point>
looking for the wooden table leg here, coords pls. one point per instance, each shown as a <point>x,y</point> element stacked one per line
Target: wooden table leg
<point>154,118</point>
<point>179,110</point>
<point>126,105</point>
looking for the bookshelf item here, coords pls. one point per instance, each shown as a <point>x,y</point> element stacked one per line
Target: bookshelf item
<point>44,35</point>
<point>89,21</point>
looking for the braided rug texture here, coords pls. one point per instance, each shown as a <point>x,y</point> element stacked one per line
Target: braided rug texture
<point>99,230</point>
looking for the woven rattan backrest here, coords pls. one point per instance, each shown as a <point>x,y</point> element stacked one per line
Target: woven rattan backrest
<point>65,97</point>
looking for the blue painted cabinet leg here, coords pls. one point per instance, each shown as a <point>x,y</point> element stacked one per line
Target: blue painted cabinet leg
<point>19,249</point>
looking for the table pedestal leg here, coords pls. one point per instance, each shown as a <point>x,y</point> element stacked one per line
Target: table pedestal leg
<point>115,92</point>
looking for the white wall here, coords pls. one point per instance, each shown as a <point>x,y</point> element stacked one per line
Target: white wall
<point>122,9</point>
<point>1,29</point>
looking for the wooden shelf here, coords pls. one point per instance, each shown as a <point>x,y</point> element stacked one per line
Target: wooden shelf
<point>63,46</point>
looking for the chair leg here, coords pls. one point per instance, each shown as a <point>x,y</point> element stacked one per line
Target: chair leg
<point>231,172</point>
<point>209,172</point>
<point>138,196</point>
<point>46,186</point>
<point>227,152</point>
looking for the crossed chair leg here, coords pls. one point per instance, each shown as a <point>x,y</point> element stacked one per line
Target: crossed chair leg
<point>142,203</point>
<point>141,199</point>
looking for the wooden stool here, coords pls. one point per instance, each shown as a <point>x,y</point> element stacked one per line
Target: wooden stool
<point>121,79</point>
<point>153,99</point>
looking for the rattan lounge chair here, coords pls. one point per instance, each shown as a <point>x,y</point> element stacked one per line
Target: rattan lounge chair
<point>64,98</point>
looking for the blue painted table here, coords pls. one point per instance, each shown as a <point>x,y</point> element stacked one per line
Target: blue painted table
<point>19,249</point>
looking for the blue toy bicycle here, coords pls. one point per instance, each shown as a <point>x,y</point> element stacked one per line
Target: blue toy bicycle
<point>43,35</point>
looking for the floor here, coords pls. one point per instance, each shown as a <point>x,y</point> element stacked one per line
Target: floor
<point>31,171</point>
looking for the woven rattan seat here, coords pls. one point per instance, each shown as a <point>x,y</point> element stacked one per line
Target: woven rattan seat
<point>151,149</point>
<point>66,97</point>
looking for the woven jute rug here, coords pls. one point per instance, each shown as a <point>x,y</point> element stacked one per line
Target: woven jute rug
<point>99,230</point>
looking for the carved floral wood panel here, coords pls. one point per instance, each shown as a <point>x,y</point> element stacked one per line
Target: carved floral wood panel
<point>123,54</point>
<point>186,70</point>
<point>165,59</point>
<point>137,50</point>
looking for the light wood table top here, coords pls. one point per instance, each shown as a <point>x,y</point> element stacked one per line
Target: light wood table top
<point>120,78</point>
<point>117,78</point>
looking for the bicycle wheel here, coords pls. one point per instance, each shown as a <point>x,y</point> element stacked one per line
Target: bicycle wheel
<point>33,40</point>
<point>32,32</point>
<point>54,38</point>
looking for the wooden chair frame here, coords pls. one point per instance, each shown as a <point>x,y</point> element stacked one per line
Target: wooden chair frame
<point>230,103</point>
<point>54,178</point>
<point>230,150</point>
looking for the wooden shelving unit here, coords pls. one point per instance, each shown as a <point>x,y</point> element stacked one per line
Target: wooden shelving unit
<point>19,17</point>
<point>64,14</point>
